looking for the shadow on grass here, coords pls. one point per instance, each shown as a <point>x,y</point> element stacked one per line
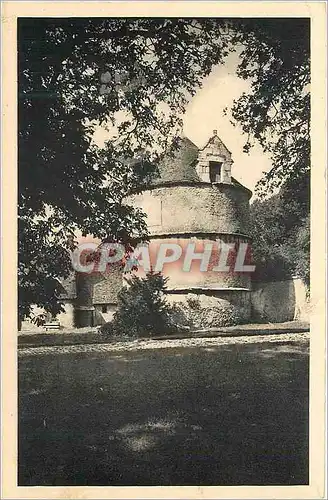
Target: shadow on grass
<point>225,415</point>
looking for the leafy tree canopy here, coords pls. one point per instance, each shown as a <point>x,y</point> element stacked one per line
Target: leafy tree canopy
<point>276,112</point>
<point>281,239</point>
<point>77,73</point>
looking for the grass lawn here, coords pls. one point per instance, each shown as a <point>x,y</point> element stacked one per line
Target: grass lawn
<point>224,415</point>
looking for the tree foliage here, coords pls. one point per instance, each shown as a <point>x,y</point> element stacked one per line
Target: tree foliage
<point>281,239</point>
<point>275,57</point>
<point>75,74</point>
<point>137,75</point>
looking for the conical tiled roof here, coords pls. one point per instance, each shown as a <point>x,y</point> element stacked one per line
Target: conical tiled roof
<point>181,166</point>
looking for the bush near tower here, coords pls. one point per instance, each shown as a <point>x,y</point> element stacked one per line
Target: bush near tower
<point>142,308</point>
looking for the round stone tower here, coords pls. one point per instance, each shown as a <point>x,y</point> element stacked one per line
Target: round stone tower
<point>195,201</point>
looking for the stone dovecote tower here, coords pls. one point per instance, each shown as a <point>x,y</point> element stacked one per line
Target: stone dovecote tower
<point>196,199</point>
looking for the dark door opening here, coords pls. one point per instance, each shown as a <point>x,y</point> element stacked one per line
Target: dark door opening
<point>215,171</point>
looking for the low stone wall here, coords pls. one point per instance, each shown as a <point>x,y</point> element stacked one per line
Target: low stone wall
<point>278,301</point>
<point>274,302</point>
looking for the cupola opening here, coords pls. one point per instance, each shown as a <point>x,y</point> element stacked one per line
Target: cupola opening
<point>215,171</point>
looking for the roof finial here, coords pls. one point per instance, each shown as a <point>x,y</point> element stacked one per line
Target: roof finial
<point>215,132</point>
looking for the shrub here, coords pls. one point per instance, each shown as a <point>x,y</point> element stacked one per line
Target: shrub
<point>142,309</point>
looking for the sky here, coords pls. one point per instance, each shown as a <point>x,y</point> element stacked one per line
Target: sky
<point>204,114</point>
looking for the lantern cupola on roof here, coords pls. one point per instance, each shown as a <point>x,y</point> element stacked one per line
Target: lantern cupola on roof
<point>214,161</point>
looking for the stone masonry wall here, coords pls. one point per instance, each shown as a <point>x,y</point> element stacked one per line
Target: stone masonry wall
<point>199,310</point>
<point>180,277</point>
<point>279,301</point>
<point>203,208</point>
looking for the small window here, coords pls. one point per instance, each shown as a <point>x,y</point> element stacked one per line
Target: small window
<point>104,308</point>
<point>215,171</point>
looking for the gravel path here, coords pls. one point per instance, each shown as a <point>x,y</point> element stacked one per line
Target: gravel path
<point>163,344</point>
